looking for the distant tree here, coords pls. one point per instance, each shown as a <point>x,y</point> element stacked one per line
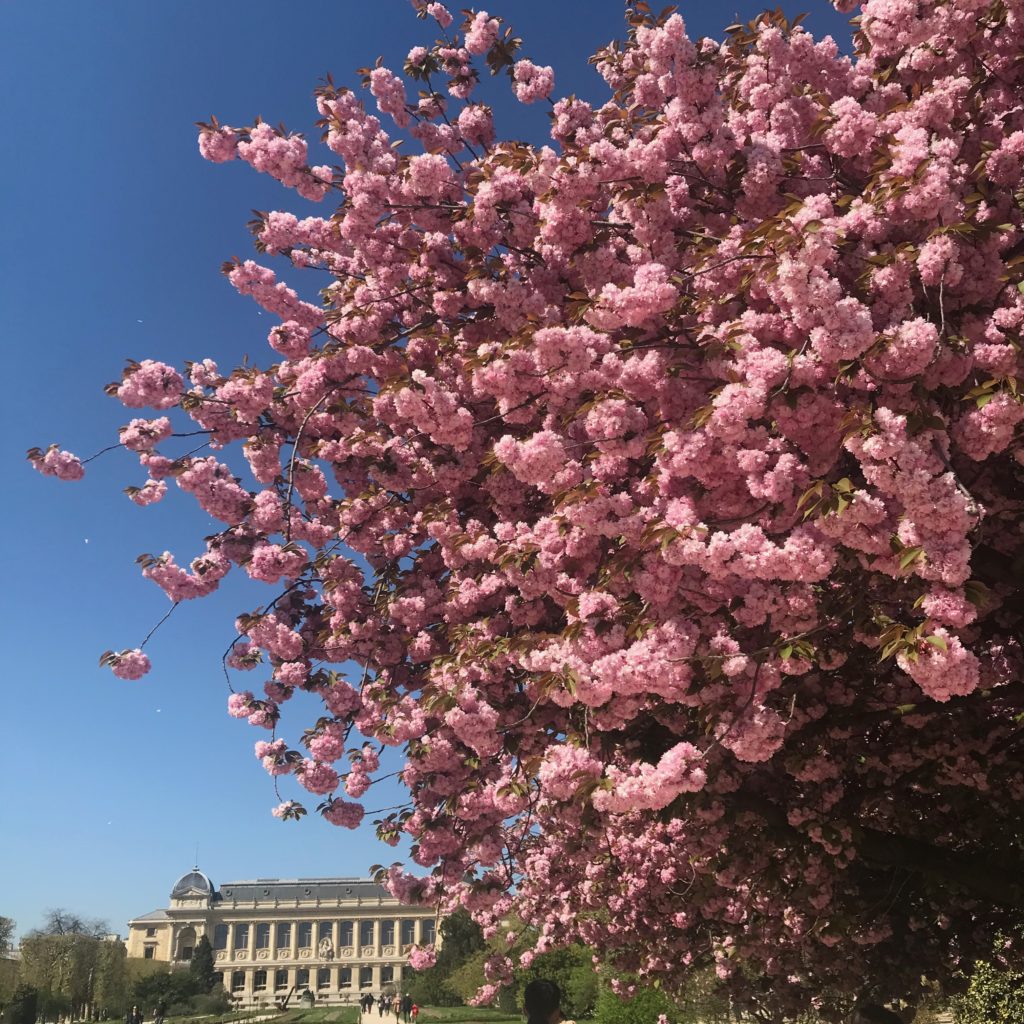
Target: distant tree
<point>8,968</point>
<point>201,968</point>
<point>572,969</point>
<point>62,967</point>
<point>175,988</point>
<point>111,980</point>
<point>461,937</point>
<point>59,921</point>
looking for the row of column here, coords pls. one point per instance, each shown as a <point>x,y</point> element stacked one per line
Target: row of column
<point>321,981</point>
<point>423,932</point>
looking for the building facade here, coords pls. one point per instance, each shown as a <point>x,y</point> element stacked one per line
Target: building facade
<point>335,938</point>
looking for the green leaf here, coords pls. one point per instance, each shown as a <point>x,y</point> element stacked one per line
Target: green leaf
<point>937,641</point>
<point>910,555</point>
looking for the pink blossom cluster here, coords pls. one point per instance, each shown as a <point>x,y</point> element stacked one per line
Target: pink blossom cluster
<point>531,83</point>
<point>284,158</point>
<point>150,383</point>
<point>131,664</point>
<point>55,462</point>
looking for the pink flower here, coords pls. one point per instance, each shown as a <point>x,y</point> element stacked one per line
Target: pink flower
<point>131,664</point>
<point>316,777</point>
<point>219,144</point>
<point>482,33</point>
<point>420,958</point>
<point>55,462</point>
<point>150,493</point>
<point>150,383</point>
<point>531,83</point>
<point>344,813</point>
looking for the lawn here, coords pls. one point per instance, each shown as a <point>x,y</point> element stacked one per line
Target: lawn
<point>323,1015</point>
<point>465,1014</point>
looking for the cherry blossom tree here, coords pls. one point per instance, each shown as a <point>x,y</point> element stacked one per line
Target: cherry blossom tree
<point>656,491</point>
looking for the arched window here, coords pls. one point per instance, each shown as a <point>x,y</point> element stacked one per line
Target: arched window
<point>365,933</point>
<point>280,980</point>
<point>366,977</point>
<point>284,936</point>
<point>237,981</point>
<point>220,936</point>
<point>345,981</point>
<point>259,981</point>
<point>427,930</point>
<point>241,936</point>
<point>186,943</point>
<point>262,935</point>
<point>408,931</point>
<point>344,933</point>
<point>387,933</point>
<point>305,934</point>
<point>323,978</point>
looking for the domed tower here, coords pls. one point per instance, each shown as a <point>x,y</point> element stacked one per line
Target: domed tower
<point>192,890</point>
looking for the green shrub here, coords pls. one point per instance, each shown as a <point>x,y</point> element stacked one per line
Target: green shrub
<point>22,1007</point>
<point>994,996</point>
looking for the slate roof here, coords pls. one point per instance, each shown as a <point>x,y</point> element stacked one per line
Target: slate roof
<point>153,915</point>
<point>302,889</point>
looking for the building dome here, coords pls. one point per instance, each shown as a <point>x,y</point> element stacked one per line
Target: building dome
<point>195,883</point>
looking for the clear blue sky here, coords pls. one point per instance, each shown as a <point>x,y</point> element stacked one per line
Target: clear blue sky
<point>114,232</point>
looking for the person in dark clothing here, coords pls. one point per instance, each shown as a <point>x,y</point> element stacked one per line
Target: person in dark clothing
<point>542,1002</point>
<point>872,1013</point>
<point>406,1007</point>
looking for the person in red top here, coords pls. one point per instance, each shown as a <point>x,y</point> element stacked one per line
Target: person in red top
<point>415,1011</point>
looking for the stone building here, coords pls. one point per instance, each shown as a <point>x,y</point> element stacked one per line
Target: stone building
<point>336,938</point>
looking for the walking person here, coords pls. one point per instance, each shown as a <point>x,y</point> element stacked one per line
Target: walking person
<point>415,1011</point>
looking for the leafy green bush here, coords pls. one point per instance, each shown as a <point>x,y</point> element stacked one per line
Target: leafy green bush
<point>995,996</point>
<point>22,1007</point>
<point>644,1008</point>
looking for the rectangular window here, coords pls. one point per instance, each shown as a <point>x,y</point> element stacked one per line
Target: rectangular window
<point>387,933</point>
<point>387,975</point>
<point>365,933</point>
<point>302,978</point>
<point>366,977</point>
<point>344,933</point>
<point>237,981</point>
<point>280,980</point>
<point>408,931</point>
<point>241,936</point>
<point>325,930</point>
<point>262,936</point>
<point>150,933</point>
<point>305,934</point>
<point>186,952</point>
<point>427,931</point>
<point>218,978</point>
<point>284,936</point>
<point>323,978</point>
<point>220,937</point>
<point>259,981</point>
<point>147,953</point>
<point>345,981</point>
